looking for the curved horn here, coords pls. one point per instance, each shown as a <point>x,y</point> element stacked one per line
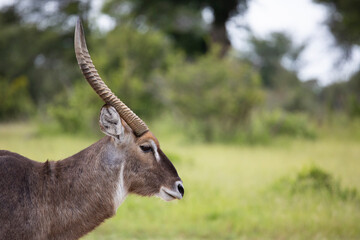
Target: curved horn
<point>88,69</point>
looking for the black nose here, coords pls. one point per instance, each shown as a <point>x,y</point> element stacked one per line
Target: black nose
<point>181,189</point>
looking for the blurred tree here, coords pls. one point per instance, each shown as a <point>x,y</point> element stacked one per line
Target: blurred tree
<point>214,97</point>
<point>343,96</point>
<point>343,22</point>
<point>277,58</point>
<point>270,54</point>
<point>182,20</point>
<point>14,98</point>
<point>127,61</point>
<point>354,96</point>
<point>39,50</point>
<point>334,97</point>
<point>58,14</point>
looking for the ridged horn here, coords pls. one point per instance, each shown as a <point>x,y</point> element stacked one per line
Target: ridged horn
<point>88,69</point>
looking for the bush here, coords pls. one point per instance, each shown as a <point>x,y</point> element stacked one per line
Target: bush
<point>315,180</point>
<point>264,126</point>
<point>213,97</point>
<point>126,62</point>
<point>15,99</point>
<point>76,111</point>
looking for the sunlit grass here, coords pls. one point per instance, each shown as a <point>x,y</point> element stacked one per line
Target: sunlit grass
<point>229,190</point>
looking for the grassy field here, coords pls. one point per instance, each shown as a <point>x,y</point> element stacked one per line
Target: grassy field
<point>231,192</point>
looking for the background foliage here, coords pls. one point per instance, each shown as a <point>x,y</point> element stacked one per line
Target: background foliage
<point>170,62</point>
<point>262,154</point>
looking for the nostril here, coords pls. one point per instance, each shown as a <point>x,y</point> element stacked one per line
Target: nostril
<point>181,189</point>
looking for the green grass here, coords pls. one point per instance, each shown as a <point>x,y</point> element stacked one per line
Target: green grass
<point>229,190</point>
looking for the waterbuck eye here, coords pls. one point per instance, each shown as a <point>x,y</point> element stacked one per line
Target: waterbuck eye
<point>146,148</point>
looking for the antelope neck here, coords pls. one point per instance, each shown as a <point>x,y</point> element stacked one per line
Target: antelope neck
<point>81,190</point>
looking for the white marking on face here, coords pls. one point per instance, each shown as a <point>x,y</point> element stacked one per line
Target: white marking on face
<point>154,147</point>
<point>121,192</point>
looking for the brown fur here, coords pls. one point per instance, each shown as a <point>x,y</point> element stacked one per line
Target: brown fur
<point>67,199</point>
<point>53,200</point>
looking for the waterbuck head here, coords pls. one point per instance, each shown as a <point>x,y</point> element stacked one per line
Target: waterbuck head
<point>134,151</point>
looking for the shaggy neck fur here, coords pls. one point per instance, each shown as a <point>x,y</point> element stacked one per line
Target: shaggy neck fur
<point>81,191</point>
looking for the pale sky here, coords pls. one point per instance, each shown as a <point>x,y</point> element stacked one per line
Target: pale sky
<point>302,19</point>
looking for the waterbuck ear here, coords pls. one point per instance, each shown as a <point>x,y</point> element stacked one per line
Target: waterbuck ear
<point>110,122</point>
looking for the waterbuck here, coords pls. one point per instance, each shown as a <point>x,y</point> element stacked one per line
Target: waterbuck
<point>68,198</point>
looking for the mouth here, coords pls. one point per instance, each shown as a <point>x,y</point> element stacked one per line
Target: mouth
<point>168,195</point>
